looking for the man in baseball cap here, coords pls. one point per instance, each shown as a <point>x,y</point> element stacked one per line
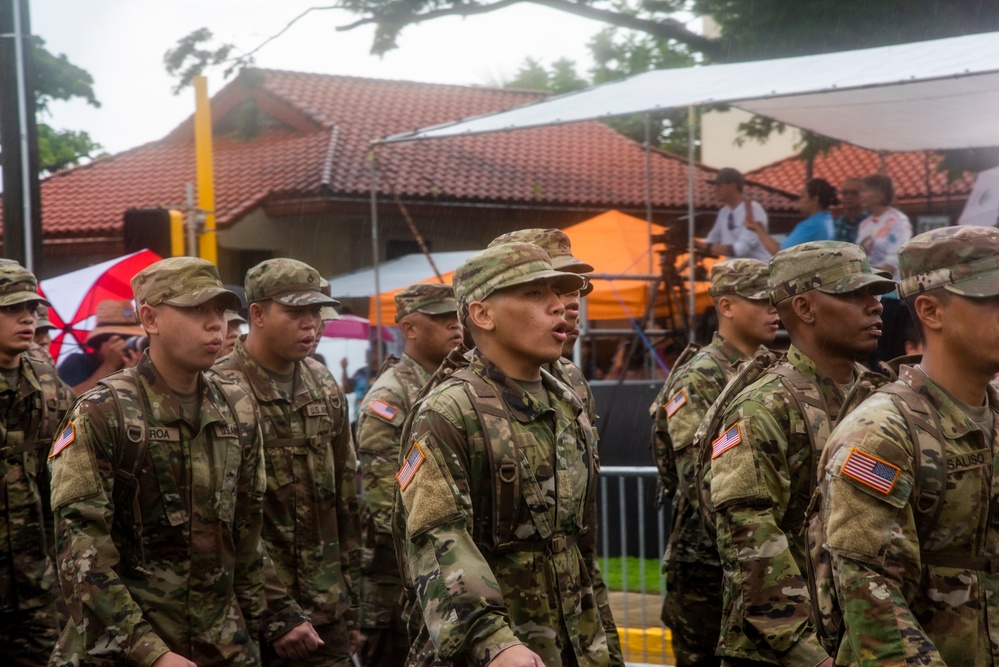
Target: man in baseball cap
<point>427,317</point>
<point>508,296</point>
<point>764,455</point>
<point>179,574</point>
<point>311,527</point>
<point>930,487</point>
<point>746,322</point>
<point>734,232</point>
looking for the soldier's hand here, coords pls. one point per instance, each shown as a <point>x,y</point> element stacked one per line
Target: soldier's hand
<point>298,643</point>
<point>355,640</point>
<point>517,656</point>
<point>828,662</point>
<point>173,660</point>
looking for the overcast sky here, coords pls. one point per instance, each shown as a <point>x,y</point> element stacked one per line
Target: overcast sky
<point>122,42</point>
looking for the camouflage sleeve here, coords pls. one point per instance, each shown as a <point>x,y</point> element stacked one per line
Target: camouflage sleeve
<point>871,534</point>
<point>588,550</point>
<point>457,589</point>
<point>100,605</point>
<point>768,593</point>
<point>248,577</point>
<point>378,447</point>
<point>348,512</point>
<point>662,448</point>
<point>689,399</point>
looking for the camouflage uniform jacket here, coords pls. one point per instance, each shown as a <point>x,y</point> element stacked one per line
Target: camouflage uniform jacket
<point>572,376</point>
<point>30,414</point>
<point>677,412</point>
<point>379,433</point>
<point>311,525</point>
<point>760,488</point>
<point>935,603</point>
<point>186,575</point>
<point>539,590</point>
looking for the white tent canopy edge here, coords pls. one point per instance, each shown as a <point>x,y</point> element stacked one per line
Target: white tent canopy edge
<point>937,94</point>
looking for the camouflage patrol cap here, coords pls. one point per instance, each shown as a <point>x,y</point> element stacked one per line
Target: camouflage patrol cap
<point>963,260</point>
<point>506,265</point>
<point>43,323</point>
<point>553,241</point>
<point>743,277</point>
<point>18,285</point>
<point>286,281</point>
<point>183,282</point>
<point>832,267</point>
<point>556,243</point>
<point>426,298</point>
<point>327,313</point>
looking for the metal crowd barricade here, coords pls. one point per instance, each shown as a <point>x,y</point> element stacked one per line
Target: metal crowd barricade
<point>644,640</point>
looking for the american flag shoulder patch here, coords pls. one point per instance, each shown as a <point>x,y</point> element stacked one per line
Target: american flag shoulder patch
<point>383,409</point>
<point>413,461</point>
<point>675,403</point>
<point>870,471</point>
<point>64,440</point>
<point>726,441</point>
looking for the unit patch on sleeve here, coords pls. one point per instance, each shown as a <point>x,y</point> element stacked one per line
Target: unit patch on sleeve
<point>383,409</point>
<point>870,471</point>
<point>64,440</point>
<point>675,403</point>
<point>726,441</point>
<point>408,470</point>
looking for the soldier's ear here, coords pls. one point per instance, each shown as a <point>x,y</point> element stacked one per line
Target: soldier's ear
<point>724,307</point>
<point>407,327</point>
<point>148,318</point>
<point>481,315</point>
<point>256,312</point>
<point>803,306</point>
<point>930,309</point>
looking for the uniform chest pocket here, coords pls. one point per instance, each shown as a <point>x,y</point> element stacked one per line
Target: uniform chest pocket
<point>170,496</point>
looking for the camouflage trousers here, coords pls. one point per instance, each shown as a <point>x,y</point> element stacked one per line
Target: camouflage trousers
<point>385,647</point>
<point>692,611</point>
<point>333,652</point>
<point>28,637</point>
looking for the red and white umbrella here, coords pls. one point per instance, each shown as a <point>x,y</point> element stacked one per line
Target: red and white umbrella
<point>74,296</point>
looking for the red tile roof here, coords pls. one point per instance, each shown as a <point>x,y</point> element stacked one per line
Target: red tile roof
<point>908,172</point>
<point>316,141</point>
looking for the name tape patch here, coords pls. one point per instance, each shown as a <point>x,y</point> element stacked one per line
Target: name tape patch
<point>64,440</point>
<point>316,410</point>
<point>383,409</point>
<point>870,471</point>
<point>726,441</point>
<point>675,403</point>
<point>408,470</point>
<point>163,433</point>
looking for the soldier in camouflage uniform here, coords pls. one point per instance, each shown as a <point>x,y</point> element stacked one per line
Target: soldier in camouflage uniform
<point>32,403</point>
<point>499,551</point>
<point>746,321</point>
<point>427,317</point>
<point>764,458</point>
<point>559,249</point>
<point>311,525</point>
<point>910,521</point>
<point>157,481</point>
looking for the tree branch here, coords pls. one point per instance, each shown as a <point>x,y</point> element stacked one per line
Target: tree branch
<point>664,29</point>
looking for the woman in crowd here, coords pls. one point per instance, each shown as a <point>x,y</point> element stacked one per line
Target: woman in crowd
<point>815,200</point>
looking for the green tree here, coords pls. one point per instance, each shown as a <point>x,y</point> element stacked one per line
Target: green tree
<point>56,78</point>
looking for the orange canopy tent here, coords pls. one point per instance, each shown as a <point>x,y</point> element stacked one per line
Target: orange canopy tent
<point>615,244</point>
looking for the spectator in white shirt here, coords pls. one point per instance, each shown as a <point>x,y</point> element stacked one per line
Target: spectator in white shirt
<point>733,234</point>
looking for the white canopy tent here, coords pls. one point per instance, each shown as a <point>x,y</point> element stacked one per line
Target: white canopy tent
<point>394,274</point>
<point>982,208</point>
<point>921,96</point>
<point>932,95</point>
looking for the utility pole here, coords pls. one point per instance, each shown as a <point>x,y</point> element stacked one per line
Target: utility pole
<point>22,201</point>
